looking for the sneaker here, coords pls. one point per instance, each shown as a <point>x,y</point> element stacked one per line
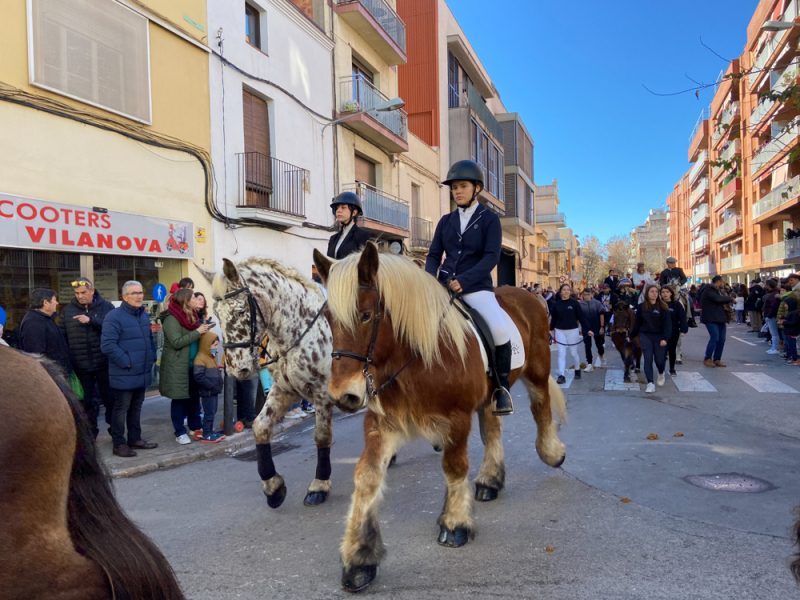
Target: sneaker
<point>790,362</point>
<point>673,373</point>
<point>309,409</point>
<point>561,379</point>
<point>588,369</point>
<point>577,373</point>
<point>603,361</point>
<point>771,351</point>
<point>183,439</point>
<point>598,363</point>
<point>650,388</point>
<point>661,379</point>
<point>294,414</point>
<point>212,438</point>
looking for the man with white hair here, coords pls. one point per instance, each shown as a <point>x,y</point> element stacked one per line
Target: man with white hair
<point>641,279</point>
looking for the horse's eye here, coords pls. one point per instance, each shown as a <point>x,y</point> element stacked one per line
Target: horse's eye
<point>366,317</point>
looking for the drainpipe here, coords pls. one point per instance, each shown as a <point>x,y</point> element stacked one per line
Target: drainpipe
<point>335,127</point>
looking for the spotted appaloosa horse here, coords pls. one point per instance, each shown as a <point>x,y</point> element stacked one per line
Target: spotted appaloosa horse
<point>63,536</point>
<point>261,296</point>
<point>404,352</point>
<point>629,351</point>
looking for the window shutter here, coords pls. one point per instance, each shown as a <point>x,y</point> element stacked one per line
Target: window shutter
<point>258,163</point>
<point>365,171</point>
<point>511,194</point>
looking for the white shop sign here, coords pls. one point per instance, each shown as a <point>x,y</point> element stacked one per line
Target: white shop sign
<point>42,225</point>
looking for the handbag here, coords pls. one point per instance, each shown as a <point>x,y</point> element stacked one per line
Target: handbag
<point>75,385</point>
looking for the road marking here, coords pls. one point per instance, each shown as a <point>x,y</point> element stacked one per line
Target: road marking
<point>692,382</point>
<point>615,383</point>
<point>765,384</point>
<point>743,341</point>
<point>570,375</point>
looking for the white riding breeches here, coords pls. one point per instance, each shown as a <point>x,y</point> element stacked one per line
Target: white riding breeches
<point>568,340</point>
<point>486,304</point>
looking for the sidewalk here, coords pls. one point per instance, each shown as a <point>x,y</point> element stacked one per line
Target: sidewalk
<point>157,427</point>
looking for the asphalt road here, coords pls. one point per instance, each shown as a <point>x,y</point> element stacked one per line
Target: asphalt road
<point>672,540</point>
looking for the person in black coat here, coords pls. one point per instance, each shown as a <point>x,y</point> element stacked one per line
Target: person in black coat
<point>673,274</point>
<point>679,325</point>
<point>612,280</point>
<point>39,332</point>
<point>569,327</point>
<point>653,325</point>
<point>752,307</point>
<point>608,298</point>
<point>81,324</point>
<point>347,208</point>
<point>471,237</point>
<point>715,319</point>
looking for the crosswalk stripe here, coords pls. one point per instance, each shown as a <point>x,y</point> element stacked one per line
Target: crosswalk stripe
<point>763,383</point>
<point>570,375</point>
<point>615,383</point>
<point>688,381</point>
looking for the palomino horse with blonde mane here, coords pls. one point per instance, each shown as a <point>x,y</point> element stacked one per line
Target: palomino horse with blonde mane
<point>404,352</point>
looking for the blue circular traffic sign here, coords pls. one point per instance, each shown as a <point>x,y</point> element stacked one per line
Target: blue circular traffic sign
<point>159,292</point>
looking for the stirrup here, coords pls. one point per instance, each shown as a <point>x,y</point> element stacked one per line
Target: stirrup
<point>502,410</point>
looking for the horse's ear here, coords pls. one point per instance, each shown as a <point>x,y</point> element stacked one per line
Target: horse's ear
<point>208,275</point>
<point>323,264</point>
<point>368,265</point>
<point>229,269</point>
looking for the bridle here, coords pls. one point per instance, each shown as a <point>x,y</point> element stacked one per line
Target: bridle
<point>255,311</point>
<point>367,359</point>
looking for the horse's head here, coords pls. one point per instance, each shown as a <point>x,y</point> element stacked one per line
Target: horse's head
<point>622,316</point>
<point>240,320</point>
<point>361,327</point>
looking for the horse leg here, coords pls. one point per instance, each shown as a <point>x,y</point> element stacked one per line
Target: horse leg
<point>362,547</point>
<point>323,438</point>
<point>272,481</point>
<point>455,522</point>
<point>492,476</point>
<point>546,397</point>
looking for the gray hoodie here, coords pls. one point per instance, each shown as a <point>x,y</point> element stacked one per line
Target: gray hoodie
<point>592,311</point>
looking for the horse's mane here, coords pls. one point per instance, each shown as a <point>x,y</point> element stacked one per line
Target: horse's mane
<point>419,306</point>
<point>220,283</point>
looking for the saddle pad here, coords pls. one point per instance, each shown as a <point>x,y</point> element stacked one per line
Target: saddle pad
<point>517,347</point>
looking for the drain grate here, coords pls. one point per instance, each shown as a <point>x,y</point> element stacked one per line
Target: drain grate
<point>730,482</point>
<point>277,448</point>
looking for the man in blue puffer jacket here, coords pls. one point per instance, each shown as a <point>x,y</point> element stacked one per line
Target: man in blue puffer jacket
<point>128,343</point>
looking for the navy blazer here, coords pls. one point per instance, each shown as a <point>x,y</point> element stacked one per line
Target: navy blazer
<point>356,239</point>
<point>471,257</point>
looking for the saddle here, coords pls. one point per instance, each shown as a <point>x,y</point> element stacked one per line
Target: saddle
<point>484,335</point>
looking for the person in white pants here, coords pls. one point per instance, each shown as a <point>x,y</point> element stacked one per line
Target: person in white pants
<point>567,321</point>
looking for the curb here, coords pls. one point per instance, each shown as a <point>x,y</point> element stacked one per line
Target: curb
<point>234,443</point>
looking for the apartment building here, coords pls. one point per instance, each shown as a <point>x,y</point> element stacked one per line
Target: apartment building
<point>105,169</point>
<point>558,251</point>
<point>650,241</point>
<point>739,217</point>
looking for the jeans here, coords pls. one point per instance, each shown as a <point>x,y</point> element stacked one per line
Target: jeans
<point>672,347</point>
<point>246,399</point>
<point>740,317</point>
<point>209,412</point>
<point>188,409</point>
<point>599,341</point>
<point>791,347</point>
<point>652,349</point>
<point>90,404</point>
<point>772,323</point>
<point>716,342</point>
<point>127,411</point>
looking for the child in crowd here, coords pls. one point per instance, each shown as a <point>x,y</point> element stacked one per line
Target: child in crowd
<point>791,329</point>
<point>209,383</point>
<point>738,306</point>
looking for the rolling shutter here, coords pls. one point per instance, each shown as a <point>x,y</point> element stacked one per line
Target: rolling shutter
<point>258,163</point>
<point>365,171</point>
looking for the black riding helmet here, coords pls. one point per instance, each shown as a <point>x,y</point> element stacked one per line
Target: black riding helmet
<point>465,170</point>
<point>350,198</point>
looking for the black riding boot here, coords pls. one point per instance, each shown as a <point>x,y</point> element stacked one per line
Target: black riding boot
<point>501,396</point>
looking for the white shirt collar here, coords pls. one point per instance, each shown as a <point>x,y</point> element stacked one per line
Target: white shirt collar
<point>345,230</point>
<point>466,214</point>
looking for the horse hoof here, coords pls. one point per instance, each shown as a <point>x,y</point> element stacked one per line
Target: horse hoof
<point>276,499</point>
<point>561,462</point>
<point>393,461</point>
<point>626,380</point>
<point>315,498</point>
<point>484,493</point>
<point>453,538</point>
<point>356,579</point>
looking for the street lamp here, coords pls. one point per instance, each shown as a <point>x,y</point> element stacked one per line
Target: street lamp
<point>385,106</point>
<point>770,26</point>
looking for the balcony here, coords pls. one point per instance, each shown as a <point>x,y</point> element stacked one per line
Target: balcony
<point>719,199</point>
<point>699,166</point>
<point>699,192</point>
<point>792,248</point>
<point>388,212</point>
<point>270,190</point>
<point>557,246</point>
<point>552,219</point>
<point>728,115</point>
<point>763,57</point>
<point>474,100</point>
<point>543,266</point>
<point>700,242</point>
<point>421,233</point>
<point>784,194</point>
<point>378,24</point>
<point>779,82</point>
<point>732,262</point>
<point>699,138</point>
<point>775,147</point>
<point>733,188</point>
<point>774,253</point>
<point>761,109</point>
<point>387,129</point>
<point>700,215</point>
<point>732,148</point>
<point>729,228</point>
<point>703,268</point>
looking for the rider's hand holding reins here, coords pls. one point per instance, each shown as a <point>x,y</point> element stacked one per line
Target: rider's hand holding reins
<point>455,286</point>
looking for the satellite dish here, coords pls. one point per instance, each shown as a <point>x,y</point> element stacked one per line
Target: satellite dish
<point>396,247</point>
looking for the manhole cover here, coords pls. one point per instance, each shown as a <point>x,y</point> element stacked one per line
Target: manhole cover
<point>277,448</point>
<point>730,482</point>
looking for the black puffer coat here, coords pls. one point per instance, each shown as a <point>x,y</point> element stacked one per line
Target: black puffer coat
<point>84,340</point>
<point>39,334</point>
<point>712,304</point>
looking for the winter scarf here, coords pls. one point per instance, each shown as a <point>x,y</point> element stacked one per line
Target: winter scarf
<point>176,311</point>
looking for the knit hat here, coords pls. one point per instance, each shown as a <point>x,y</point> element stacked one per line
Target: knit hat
<point>624,281</point>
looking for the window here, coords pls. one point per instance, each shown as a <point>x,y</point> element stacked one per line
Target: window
<point>452,80</point>
<point>362,72</point>
<point>96,52</point>
<point>415,200</point>
<point>252,20</point>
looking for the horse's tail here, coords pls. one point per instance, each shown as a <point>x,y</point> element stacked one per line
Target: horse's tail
<point>99,527</point>
<point>557,404</point>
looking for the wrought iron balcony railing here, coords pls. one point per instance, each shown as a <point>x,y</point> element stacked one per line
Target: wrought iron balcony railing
<point>271,184</point>
<point>386,17</point>
<point>380,206</point>
<point>357,94</point>
<point>421,232</point>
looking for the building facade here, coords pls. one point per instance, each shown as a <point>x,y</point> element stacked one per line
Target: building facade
<point>650,242</point>
<point>558,251</point>
<point>104,167</point>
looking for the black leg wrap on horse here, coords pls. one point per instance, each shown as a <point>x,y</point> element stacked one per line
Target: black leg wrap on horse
<point>266,468</point>
<point>323,463</point>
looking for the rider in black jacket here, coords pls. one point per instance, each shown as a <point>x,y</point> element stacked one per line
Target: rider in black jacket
<point>347,208</point>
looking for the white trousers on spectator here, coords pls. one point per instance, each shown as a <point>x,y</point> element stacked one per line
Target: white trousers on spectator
<point>573,338</point>
<point>486,304</point>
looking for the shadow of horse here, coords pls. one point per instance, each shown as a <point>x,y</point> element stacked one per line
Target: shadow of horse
<point>621,329</point>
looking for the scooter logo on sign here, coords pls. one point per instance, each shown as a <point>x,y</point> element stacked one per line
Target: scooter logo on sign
<point>177,242</point>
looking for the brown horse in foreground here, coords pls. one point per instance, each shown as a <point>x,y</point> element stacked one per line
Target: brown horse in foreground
<point>63,535</point>
<point>628,351</point>
<point>404,352</point>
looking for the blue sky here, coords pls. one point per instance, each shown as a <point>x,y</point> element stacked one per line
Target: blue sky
<point>574,72</point>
